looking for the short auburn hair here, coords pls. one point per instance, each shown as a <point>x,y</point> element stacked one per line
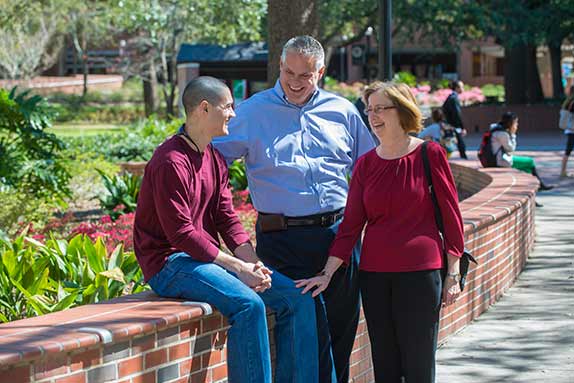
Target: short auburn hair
<point>410,116</point>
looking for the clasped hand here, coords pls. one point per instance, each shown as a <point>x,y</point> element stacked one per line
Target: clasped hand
<point>256,275</point>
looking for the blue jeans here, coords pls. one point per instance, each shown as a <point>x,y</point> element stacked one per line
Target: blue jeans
<point>247,339</point>
<point>301,252</point>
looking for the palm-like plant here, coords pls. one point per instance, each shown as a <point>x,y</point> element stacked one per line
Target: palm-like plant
<point>29,156</point>
<point>122,195</point>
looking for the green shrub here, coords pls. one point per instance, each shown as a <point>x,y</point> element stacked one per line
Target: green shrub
<point>122,194</point>
<point>237,175</point>
<point>406,78</point>
<point>442,84</point>
<point>136,142</point>
<point>99,113</point>
<point>37,278</point>
<point>30,158</point>
<point>20,209</point>
<point>493,92</point>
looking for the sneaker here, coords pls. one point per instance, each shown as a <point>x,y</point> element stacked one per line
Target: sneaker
<point>538,204</point>
<point>566,175</point>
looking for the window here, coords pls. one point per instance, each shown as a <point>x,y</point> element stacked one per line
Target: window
<point>476,64</point>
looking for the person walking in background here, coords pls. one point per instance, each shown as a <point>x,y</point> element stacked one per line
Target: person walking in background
<point>402,253</point>
<point>452,113</point>
<point>300,143</point>
<point>569,132</point>
<point>440,132</point>
<point>183,206</point>
<point>503,141</point>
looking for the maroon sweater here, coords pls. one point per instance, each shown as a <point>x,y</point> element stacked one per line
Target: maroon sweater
<point>392,198</point>
<point>183,204</point>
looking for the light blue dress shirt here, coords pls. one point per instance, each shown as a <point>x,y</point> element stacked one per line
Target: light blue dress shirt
<point>297,157</point>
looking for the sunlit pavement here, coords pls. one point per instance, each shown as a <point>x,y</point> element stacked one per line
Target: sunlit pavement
<point>528,335</point>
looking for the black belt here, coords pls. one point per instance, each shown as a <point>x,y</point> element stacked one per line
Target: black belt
<point>278,222</point>
<point>325,219</point>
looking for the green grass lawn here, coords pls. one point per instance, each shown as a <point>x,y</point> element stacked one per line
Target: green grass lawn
<point>82,129</point>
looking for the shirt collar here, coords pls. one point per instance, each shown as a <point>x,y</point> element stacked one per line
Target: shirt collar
<point>279,90</point>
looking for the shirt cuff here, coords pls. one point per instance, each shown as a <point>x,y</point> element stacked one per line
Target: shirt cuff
<point>237,240</point>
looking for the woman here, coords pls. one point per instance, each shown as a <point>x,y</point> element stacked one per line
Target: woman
<point>441,132</point>
<point>402,253</point>
<point>568,105</point>
<point>503,141</point>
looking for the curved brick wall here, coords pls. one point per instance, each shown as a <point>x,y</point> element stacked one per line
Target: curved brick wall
<point>143,338</point>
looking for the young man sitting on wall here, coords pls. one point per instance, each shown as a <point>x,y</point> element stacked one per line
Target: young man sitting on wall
<point>183,205</point>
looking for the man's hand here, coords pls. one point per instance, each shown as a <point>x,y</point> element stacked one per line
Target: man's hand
<point>255,275</point>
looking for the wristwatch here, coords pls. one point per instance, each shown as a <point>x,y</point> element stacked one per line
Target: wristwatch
<point>455,276</point>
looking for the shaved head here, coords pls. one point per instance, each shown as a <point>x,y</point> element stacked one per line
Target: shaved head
<point>202,88</point>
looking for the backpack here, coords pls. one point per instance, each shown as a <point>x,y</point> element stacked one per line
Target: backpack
<point>566,118</point>
<point>448,137</point>
<point>485,154</point>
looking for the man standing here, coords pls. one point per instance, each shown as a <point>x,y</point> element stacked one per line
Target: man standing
<point>451,109</point>
<point>183,205</point>
<point>300,144</point>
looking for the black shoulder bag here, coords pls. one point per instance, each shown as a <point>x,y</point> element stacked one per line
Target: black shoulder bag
<point>466,257</point>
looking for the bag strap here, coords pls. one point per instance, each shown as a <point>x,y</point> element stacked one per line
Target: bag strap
<point>428,175</point>
<point>437,213</point>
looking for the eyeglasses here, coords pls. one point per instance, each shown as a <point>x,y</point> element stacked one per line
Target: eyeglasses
<point>378,109</point>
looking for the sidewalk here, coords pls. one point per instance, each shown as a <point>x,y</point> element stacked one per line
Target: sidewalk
<point>528,336</point>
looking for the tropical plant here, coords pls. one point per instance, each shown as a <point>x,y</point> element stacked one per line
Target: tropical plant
<point>39,278</point>
<point>30,158</point>
<point>237,175</point>
<point>122,195</point>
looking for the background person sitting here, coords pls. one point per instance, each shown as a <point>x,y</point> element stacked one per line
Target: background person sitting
<point>503,143</point>
<point>569,132</point>
<point>440,132</point>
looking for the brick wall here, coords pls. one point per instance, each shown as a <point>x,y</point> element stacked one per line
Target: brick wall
<point>532,118</point>
<point>144,338</point>
<point>66,84</point>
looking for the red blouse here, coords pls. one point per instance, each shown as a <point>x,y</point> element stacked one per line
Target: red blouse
<point>392,198</point>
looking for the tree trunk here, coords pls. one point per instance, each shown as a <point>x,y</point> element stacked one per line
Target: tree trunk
<point>555,58</point>
<point>514,75</point>
<point>149,89</point>
<point>534,92</point>
<point>85,74</point>
<point>286,20</point>
<point>521,76</point>
<point>85,65</point>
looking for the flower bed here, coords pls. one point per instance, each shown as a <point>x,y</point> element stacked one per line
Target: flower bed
<point>426,96</point>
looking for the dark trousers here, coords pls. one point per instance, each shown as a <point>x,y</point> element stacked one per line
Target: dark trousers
<point>461,145</point>
<point>569,144</point>
<point>402,312</point>
<point>301,252</point>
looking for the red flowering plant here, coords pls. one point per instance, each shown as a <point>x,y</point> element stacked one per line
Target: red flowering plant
<point>111,232</point>
<point>55,225</point>
<point>120,231</point>
<point>244,209</point>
